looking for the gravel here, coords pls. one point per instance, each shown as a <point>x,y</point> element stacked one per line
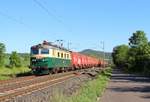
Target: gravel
<point>68,87</point>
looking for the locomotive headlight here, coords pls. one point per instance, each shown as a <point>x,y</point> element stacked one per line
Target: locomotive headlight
<point>44,60</point>
<point>34,60</point>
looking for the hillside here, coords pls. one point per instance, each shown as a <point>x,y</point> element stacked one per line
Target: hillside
<point>97,54</point>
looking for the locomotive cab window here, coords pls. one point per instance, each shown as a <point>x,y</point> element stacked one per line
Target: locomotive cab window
<point>34,51</point>
<point>44,51</point>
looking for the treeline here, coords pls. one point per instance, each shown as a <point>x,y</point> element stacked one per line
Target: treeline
<point>14,59</point>
<point>98,54</point>
<point>134,57</point>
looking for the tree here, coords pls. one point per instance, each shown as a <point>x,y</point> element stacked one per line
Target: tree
<point>142,58</point>
<point>139,53</point>
<point>2,54</point>
<point>138,38</point>
<point>136,57</point>
<point>120,55</point>
<point>15,60</point>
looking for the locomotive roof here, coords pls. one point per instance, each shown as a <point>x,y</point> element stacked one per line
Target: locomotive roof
<point>49,45</point>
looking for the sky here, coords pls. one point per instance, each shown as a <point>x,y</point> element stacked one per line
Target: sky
<point>82,23</point>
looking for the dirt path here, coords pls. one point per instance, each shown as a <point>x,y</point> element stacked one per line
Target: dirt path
<point>127,88</point>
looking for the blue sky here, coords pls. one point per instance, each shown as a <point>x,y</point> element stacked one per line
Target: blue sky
<point>84,23</point>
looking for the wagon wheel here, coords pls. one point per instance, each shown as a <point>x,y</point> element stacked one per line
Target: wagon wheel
<point>63,70</point>
<point>54,70</point>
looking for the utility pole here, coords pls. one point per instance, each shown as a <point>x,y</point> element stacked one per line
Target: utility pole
<point>60,42</point>
<point>69,43</point>
<point>103,47</point>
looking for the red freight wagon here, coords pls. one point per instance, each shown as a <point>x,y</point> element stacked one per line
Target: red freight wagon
<point>79,60</point>
<point>76,59</point>
<point>83,61</point>
<point>89,62</point>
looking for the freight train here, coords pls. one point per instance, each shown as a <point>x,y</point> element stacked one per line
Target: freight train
<point>49,58</point>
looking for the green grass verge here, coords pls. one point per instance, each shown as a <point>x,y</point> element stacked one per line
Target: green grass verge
<point>4,77</point>
<point>7,73</point>
<point>89,92</point>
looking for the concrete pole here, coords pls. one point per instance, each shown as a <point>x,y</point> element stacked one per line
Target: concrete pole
<point>60,42</point>
<point>69,43</point>
<point>103,47</point>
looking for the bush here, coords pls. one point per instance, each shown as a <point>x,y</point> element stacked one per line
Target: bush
<point>15,60</point>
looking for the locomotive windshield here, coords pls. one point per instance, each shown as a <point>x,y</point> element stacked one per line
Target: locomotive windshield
<point>34,51</point>
<point>39,51</point>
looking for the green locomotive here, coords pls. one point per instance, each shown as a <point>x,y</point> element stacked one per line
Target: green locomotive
<point>48,58</point>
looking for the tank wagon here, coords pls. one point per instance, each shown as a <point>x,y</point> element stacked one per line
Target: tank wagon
<point>49,58</point>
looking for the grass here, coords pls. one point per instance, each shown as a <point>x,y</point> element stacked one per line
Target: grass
<point>4,77</point>
<point>7,73</point>
<point>88,92</point>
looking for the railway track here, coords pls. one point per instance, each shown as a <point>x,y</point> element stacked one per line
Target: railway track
<point>19,79</point>
<point>19,87</point>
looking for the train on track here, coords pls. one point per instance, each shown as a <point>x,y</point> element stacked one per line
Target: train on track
<point>49,58</point>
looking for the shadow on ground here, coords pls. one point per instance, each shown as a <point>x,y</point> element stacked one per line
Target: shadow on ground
<point>144,89</point>
<point>139,83</point>
<point>145,96</point>
<point>119,76</point>
<point>24,74</point>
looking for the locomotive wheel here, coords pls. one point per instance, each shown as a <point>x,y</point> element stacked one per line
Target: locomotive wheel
<point>63,70</point>
<point>50,72</point>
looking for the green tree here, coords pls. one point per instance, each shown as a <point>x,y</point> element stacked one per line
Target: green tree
<point>139,52</point>
<point>120,55</point>
<point>15,59</point>
<point>2,54</point>
<point>138,38</point>
<point>142,58</point>
<point>136,57</point>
